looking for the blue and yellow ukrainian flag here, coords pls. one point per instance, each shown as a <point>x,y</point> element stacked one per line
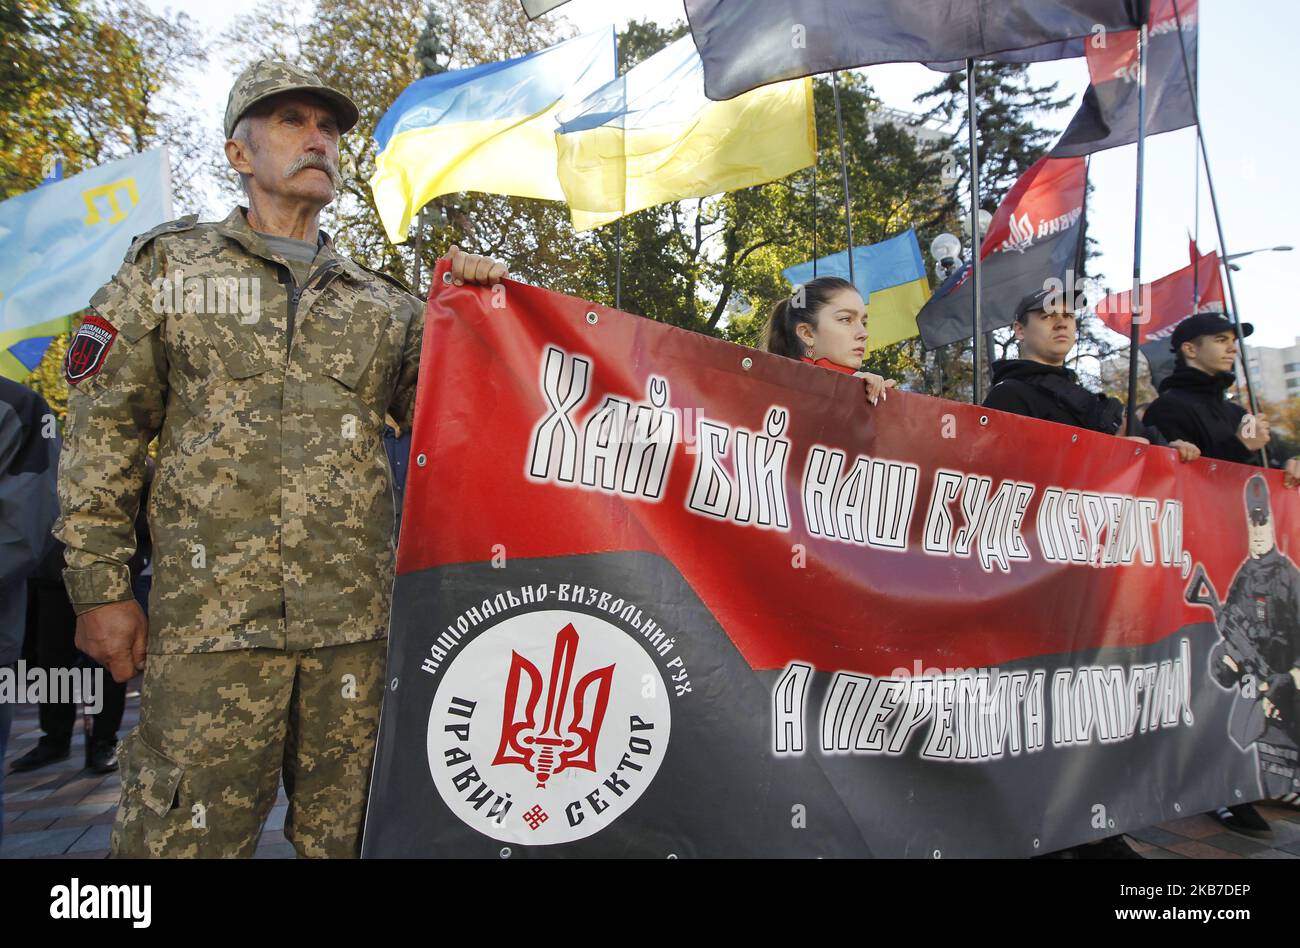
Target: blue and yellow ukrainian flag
<point>64,240</point>
<point>890,276</point>
<point>651,136</point>
<point>489,128</point>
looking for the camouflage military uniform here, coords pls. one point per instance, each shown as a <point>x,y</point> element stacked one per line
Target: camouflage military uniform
<point>272,520</point>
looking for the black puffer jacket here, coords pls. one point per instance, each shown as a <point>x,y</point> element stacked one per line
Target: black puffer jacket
<point>1192,407</point>
<point>1052,393</point>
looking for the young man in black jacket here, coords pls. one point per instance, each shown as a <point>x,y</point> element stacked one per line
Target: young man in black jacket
<point>1193,405</point>
<point>1040,386</point>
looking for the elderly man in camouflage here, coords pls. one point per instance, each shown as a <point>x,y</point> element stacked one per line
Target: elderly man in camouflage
<point>271,509</point>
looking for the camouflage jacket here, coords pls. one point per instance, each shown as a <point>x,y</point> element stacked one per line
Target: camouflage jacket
<point>272,506</point>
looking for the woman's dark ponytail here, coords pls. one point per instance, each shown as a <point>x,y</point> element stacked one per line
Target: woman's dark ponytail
<point>803,306</point>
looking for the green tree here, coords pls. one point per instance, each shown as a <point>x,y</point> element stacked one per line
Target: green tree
<point>894,184</point>
<point>94,82</point>
<point>429,52</point>
<point>1009,109</point>
<point>714,264</point>
<point>32,127</point>
<point>641,39</point>
<point>1011,112</point>
<point>373,51</point>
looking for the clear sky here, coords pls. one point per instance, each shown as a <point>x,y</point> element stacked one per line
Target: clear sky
<point>1250,120</point>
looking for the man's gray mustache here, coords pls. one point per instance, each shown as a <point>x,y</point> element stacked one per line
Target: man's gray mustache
<point>313,160</point>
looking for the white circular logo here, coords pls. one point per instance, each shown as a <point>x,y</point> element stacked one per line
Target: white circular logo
<point>547,727</point>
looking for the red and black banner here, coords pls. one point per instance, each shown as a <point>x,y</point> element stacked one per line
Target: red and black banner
<point>1108,115</point>
<point>660,595</point>
<point>1033,240</point>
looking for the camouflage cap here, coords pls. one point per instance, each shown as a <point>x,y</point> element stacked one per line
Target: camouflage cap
<point>266,78</point>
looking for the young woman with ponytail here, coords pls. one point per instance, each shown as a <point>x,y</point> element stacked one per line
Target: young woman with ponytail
<point>824,323</point>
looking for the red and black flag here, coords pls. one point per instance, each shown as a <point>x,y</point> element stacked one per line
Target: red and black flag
<point>1034,237</point>
<point>1197,288</point>
<point>1108,117</point>
<point>749,43</point>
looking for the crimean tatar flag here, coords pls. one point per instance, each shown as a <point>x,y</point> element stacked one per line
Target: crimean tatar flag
<point>62,241</point>
<point>651,136</point>
<point>489,128</point>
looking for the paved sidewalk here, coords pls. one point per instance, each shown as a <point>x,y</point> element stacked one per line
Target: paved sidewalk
<point>62,811</point>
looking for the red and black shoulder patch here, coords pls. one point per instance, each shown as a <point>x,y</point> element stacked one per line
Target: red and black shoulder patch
<point>88,348</point>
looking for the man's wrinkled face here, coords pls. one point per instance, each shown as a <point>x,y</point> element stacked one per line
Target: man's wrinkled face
<point>292,150</point>
<point>1261,538</point>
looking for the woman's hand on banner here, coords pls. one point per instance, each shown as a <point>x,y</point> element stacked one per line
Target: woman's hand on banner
<point>1186,450</point>
<point>876,386</point>
<point>474,268</point>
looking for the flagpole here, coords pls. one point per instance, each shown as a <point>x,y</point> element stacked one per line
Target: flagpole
<point>1137,317</point>
<point>419,249</point>
<point>1196,224</point>
<point>816,156</point>
<point>844,173</point>
<point>1218,221</point>
<point>977,338</point>
<point>814,215</point>
<point>618,265</point>
<point>618,232</point>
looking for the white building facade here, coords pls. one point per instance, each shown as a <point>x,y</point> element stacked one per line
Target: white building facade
<point>1275,373</point>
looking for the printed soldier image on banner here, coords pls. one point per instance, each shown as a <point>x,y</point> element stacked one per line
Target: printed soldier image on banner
<point>1257,657</point>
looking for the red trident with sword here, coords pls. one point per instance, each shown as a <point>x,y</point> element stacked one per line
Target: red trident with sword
<point>570,725</point>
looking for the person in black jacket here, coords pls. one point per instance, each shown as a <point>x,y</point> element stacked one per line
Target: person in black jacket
<point>1193,405</point>
<point>1039,385</point>
<point>1193,402</point>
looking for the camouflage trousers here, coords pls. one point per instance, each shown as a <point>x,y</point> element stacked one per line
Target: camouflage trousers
<point>217,730</point>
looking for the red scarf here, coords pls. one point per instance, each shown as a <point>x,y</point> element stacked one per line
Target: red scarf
<point>828,364</point>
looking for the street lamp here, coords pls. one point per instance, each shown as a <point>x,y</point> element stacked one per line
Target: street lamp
<point>946,251</point>
<point>985,219</point>
<point>1236,256</point>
